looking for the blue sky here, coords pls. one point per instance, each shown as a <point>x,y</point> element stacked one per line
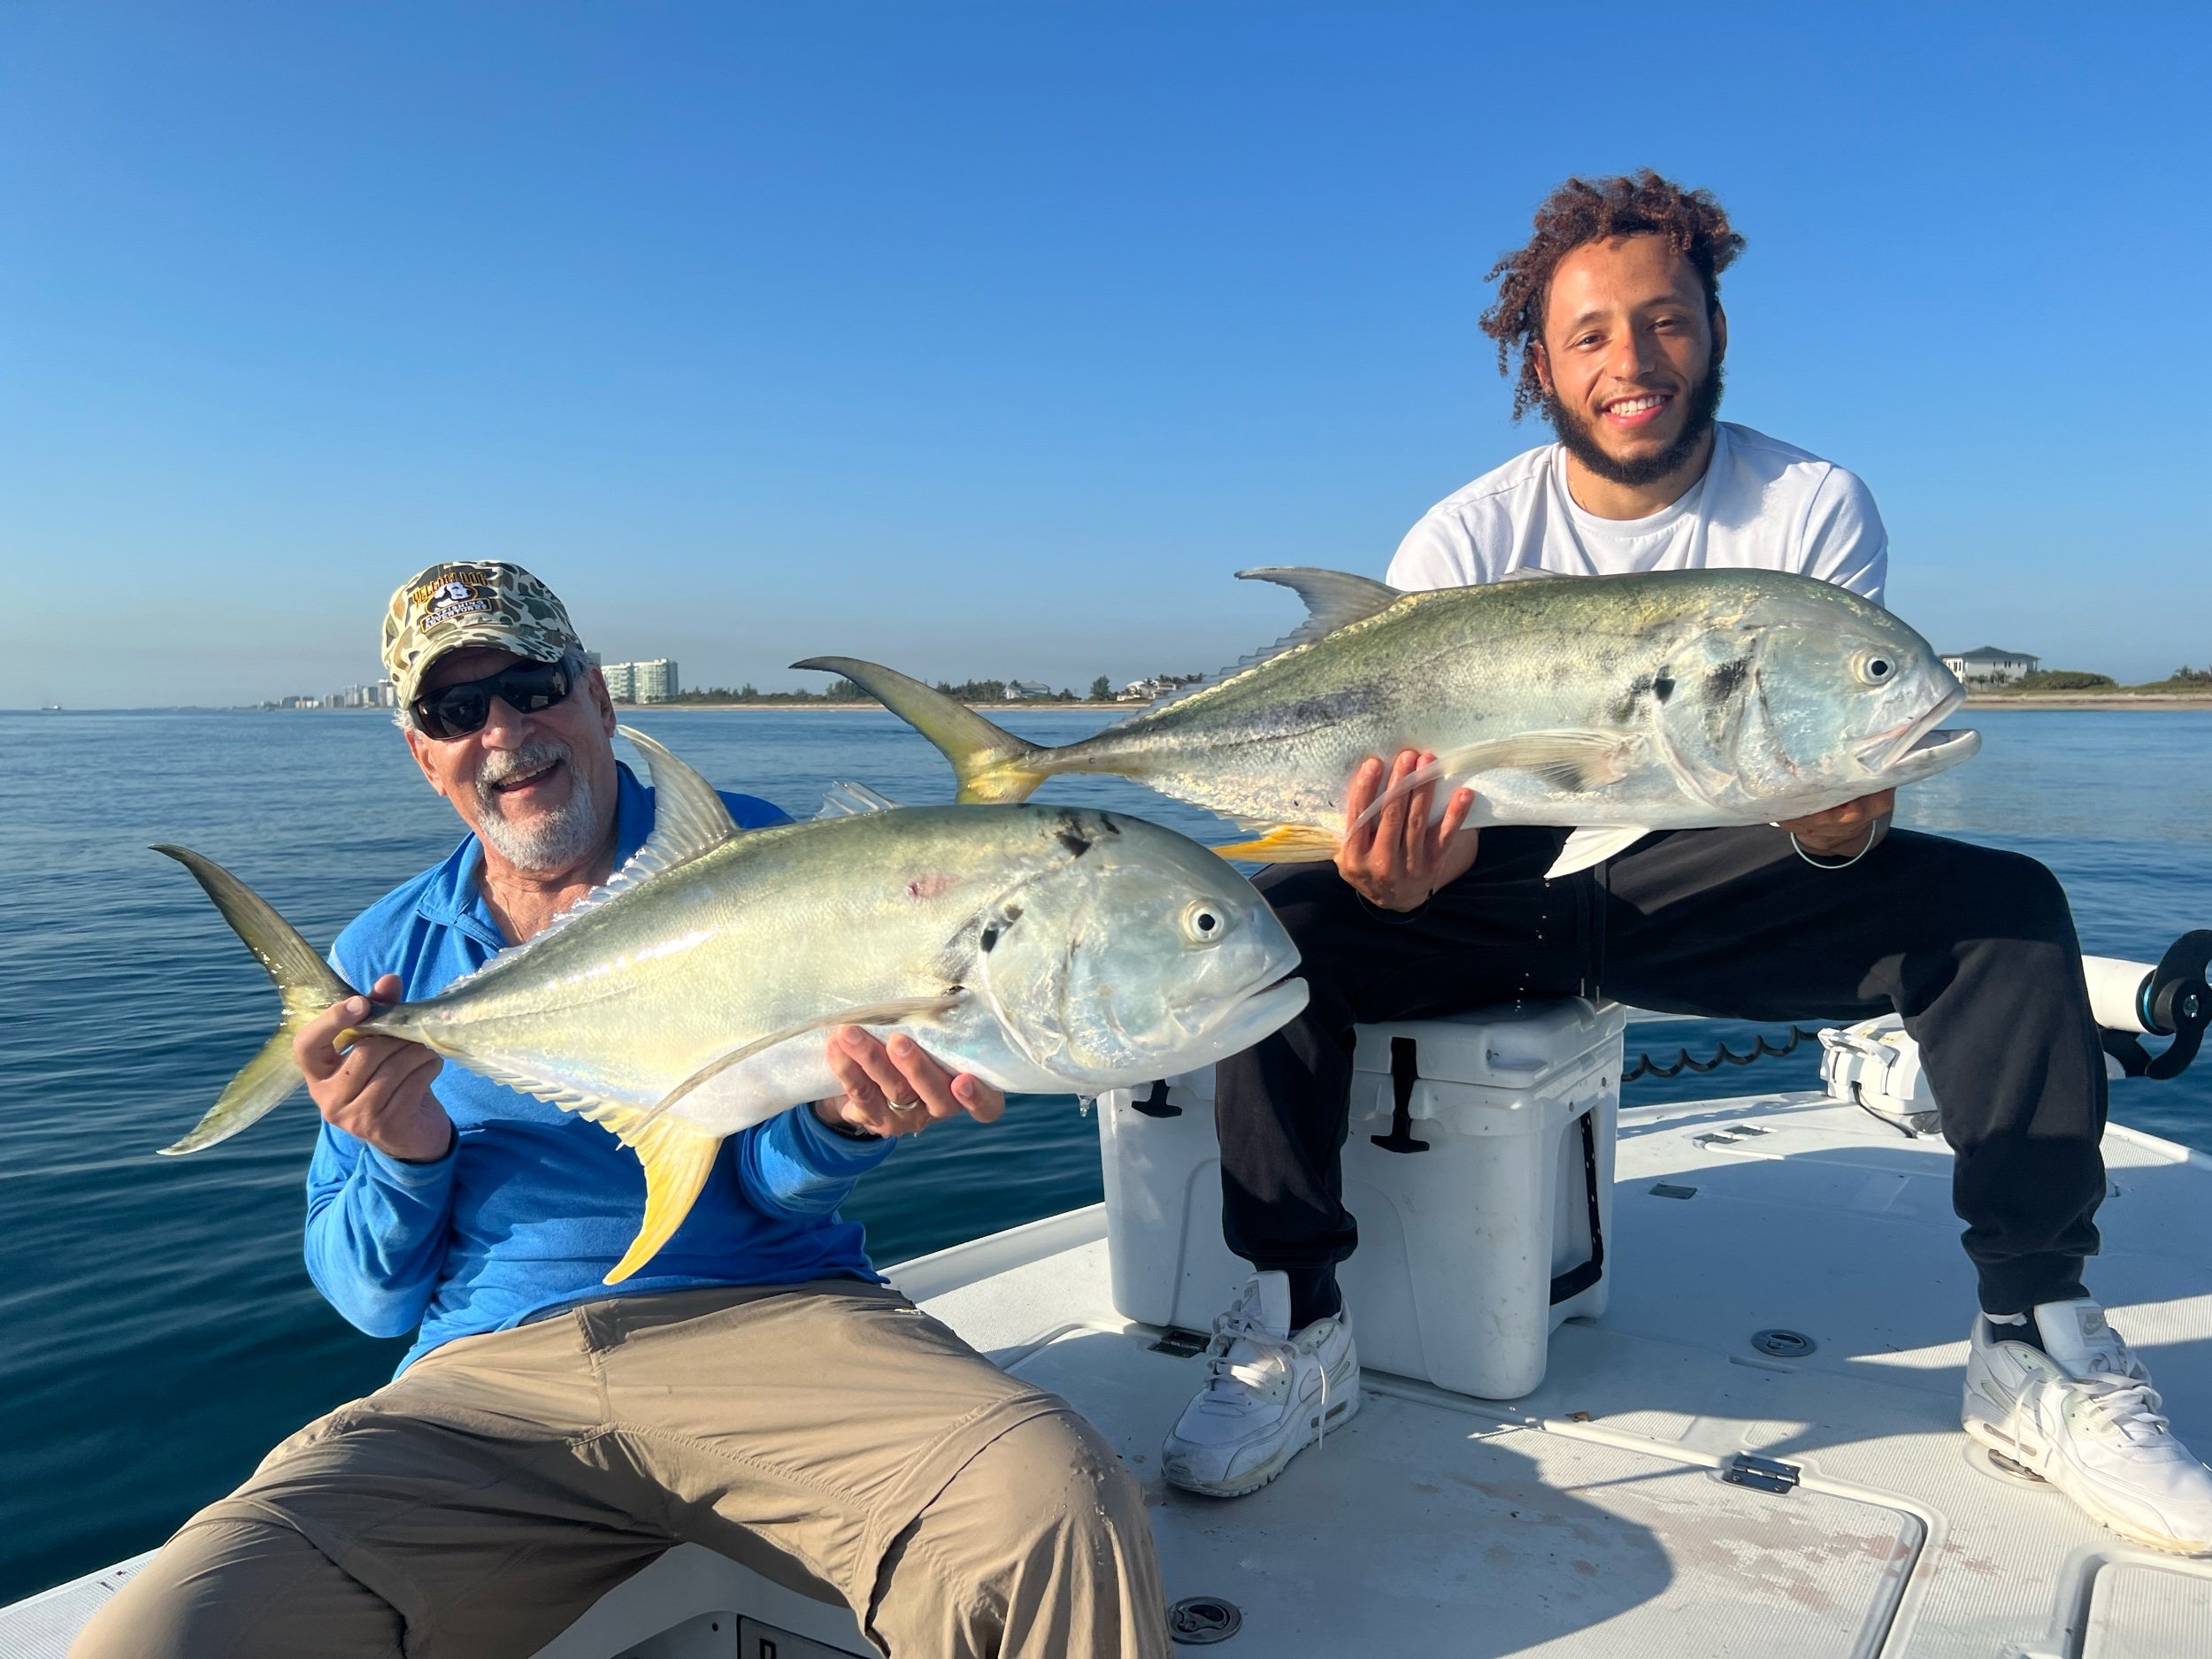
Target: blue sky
<point>991,339</point>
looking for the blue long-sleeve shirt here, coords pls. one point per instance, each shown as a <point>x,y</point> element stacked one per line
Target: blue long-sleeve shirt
<point>533,1205</point>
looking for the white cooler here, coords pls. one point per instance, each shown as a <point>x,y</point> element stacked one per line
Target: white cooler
<point>1480,1167</point>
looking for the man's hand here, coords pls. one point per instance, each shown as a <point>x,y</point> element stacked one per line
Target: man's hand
<point>1397,859</point>
<point>1846,831</point>
<point>378,1089</point>
<point>896,1088</point>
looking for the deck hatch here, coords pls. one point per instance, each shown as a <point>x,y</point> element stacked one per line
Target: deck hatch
<point>1459,1534</point>
<point>2142,1610</point>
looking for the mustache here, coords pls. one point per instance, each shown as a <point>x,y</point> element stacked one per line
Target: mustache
<point>503,765</point>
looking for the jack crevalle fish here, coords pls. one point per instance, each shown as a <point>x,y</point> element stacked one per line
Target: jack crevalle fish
<point>1613,705</point>
<point>1041,949</point>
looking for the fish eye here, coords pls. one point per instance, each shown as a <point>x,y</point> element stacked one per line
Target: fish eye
<point>1202,924</point>
<point>1873,668</point>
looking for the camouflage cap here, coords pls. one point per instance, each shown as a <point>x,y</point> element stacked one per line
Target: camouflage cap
<point>471,603</point>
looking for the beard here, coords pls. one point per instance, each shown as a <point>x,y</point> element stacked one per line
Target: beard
<point>552,840</point>
<point>1581,442</point>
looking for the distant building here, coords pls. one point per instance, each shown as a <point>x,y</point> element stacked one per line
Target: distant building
<point>380,694</point>
<point>1987,666</point>
<point>1157,685</point>
<point>653,681</point>
<point>1018,690</point>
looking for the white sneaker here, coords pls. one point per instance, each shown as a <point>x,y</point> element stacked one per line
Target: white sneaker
<point>1267,1394</point>
<point>2080,1412</point>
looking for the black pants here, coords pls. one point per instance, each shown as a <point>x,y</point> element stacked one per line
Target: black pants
<point>1973,947</point>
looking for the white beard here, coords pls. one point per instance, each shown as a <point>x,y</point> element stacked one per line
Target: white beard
<point>553,841</point>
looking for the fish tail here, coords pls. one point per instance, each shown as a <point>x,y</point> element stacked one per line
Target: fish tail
<point>991,763</point>
<point>303,981</point>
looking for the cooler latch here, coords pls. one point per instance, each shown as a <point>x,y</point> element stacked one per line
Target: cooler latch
<point>1405,1072</point>
<point>1575,1280</point>
<point>1155,1104</point>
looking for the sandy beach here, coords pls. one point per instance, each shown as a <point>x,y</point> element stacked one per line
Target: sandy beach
<point>2077,700</point>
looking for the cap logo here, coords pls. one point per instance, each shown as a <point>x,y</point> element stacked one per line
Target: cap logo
<point>438,604</point>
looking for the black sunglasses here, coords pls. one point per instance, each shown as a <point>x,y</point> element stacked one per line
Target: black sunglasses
<point>456,710</point>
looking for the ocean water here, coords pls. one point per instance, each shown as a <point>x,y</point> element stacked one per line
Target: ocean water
<point>159,1331</point>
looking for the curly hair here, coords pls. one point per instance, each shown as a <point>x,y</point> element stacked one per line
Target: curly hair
<point>1584,211</point>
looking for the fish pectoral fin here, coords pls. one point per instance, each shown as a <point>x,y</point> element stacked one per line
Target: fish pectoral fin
<point>866,1014</point>
<point>1593,845</point>
<point>1572,761</point>
<point>1286,844</point>
<point>678,1157</point>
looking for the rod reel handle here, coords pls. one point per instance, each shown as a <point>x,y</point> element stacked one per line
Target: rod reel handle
<point>2173,999</point>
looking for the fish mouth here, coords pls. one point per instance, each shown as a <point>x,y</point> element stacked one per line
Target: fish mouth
<point>1237,1022</point>
<point>1884,750</point>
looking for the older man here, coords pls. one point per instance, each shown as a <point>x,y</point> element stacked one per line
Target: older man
<point>758,1390</point>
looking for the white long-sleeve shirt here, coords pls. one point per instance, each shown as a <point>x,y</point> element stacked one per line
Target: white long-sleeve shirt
<point>1761,505</point>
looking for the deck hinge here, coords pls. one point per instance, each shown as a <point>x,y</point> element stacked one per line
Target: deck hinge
<point>1762,1474</point>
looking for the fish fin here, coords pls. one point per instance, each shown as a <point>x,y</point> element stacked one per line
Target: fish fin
<point>1593,845</point>
<point>678,1157</point>
<point>1334,599</point>
<point>1286,844</point>
<point>305,984</point>
<point>1566,760</point>
<point>991,763</point>
<point>867,1014</point>
<point>689,818</point>
<point>569,1099</point>
<point>852,800</point>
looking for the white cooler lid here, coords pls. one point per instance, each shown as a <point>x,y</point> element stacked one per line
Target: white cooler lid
<point>1506,1046</point>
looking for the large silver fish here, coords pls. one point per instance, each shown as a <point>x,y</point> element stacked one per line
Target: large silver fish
<point>1041,949</point>
<point>1619,704</point>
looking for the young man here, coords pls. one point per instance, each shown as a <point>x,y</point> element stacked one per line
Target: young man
<point>1614,306</point>
<point>757,1388</point>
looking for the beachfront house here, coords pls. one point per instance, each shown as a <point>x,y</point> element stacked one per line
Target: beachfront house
<point>1022,691</point>
<point>1987,666</point>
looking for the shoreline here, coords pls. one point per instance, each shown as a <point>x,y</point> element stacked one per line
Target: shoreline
<point>841,707</point>
<point>2188,701</point>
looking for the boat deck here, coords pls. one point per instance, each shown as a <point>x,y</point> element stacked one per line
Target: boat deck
<point>1594,1518</point>
<point>1590,1518</point>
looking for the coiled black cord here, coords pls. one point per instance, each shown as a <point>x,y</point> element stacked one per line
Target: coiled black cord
<point>1685,1061</point>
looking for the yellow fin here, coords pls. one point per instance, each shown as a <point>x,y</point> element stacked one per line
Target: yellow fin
<point>1286,844</point>
<point>677,1158</point>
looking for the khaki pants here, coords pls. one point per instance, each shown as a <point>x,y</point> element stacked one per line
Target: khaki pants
<point>477,1505</point>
